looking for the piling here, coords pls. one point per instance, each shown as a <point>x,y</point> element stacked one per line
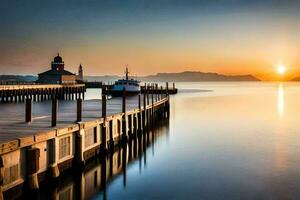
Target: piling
<point>79,148</point>
<point>124,128</point>
<point>111,138</point>
<point>167,89</point>
<point>103,146</point>
<point>135,125</point>
<point>54,112</point>
<point>79,110</point>
<point>54,171</point>
<point>130,129</point>
<point>140,116</point>
<point>156,92</point>
<point>32,161</point>
<point>28,110</point>
<point>152,107</point>
<point>144,111</point>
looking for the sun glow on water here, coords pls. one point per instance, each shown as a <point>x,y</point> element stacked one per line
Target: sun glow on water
<point>280,99</point>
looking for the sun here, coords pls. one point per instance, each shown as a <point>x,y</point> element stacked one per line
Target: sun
<point>281,69</point>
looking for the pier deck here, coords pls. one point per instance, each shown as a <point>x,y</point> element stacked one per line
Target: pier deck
<point>13,126</point>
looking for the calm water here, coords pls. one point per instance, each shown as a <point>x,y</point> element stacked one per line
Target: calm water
<point>223,141</point>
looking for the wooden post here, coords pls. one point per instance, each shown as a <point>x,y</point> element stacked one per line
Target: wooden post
<point>144,111</point>
<point>28,110</point>
<point>147,111</point>
<point>54,112</point>
<point>32,166</point>
<point>173,86</point>
<point>103,126</point>
<point>124,128</point>
<point>111,136</point>
<point>156,92</point>
<point>147,93</point>
<point>103,105</point>
<point>79,110</point>
<point>139,115</point>
<point>135,124</point>
<point>167,87</point>
<point>79,147</point>
<point>152,107</point>
<point>54,170</point>
<point>139,100</point>
<point>130,129</point>
<point>168,107</point>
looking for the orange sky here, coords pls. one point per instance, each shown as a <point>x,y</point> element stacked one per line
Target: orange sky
<point>230,37</point>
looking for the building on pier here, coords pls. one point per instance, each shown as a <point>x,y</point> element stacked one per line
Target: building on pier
<point>57,74</point>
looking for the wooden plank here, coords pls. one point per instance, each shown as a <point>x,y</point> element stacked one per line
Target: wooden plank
<point>45,136</point>
<point>9,146</point>
<point>26,141</point>
<point>66,130</point>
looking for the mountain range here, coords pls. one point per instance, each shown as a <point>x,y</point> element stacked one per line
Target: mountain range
<point>187,76</point>
<point>181,77</point>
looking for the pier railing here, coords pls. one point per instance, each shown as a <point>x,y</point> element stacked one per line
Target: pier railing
<point>48,153</point>
<point>41,92</point>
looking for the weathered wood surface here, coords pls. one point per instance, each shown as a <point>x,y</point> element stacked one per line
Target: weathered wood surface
<point>14,127</point>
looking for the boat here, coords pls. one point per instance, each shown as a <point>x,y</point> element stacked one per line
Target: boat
<point>131,86</point>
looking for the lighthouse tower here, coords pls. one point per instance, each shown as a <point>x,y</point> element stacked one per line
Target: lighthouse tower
<point>80,73</point>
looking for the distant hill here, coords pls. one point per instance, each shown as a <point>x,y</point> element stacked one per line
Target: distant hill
<point>187,76</point>
<point>296,79</point>
<point>198,76</point>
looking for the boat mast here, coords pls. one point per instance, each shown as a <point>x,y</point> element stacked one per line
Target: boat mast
<point>127,72</point>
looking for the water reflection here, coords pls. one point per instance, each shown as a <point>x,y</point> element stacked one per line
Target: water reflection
<point>280,99</point>
<point>93,181</point>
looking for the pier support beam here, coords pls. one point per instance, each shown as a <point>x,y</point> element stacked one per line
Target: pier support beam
<point>167,90</point>
<point>53,167</point>
<point>32,162</point>
<point>28,110</point>
<point>145,110</point>
<point>79,110</point>
<point>139,115</point>
<point>111,137</point>
<point>124,128</point>
<point>152,107</point>
<point>130,129</point>
<point>79,147</point>
<point>103,126</point>
<point>54,112</point>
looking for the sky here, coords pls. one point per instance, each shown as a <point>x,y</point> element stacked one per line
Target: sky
<point>151,36</point>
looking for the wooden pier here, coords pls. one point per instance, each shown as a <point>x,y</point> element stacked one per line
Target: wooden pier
<point>41,149</point>
<point>36,92</point>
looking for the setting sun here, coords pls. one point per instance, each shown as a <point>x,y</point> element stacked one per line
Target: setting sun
<point>281,69</point>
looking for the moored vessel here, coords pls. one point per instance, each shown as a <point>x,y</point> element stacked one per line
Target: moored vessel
<point>131,86</point>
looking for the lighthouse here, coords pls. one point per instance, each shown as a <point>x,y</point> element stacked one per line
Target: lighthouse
<point>80,73</point>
